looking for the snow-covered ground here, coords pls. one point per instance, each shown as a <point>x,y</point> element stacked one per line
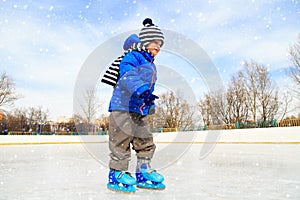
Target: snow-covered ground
<point>233,164</point>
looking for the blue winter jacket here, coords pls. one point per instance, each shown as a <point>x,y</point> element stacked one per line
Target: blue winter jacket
<point>137,74</point>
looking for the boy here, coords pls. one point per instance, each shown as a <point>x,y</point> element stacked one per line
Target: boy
<point>131,102</point>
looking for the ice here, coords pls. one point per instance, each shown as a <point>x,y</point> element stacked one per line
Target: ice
<point>231,171</point>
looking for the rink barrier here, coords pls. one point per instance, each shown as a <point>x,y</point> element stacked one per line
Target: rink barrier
<point>274,136</point>
<point>47,143</point>
<point>161,142</point>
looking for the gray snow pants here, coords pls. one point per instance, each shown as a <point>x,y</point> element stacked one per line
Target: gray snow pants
<point>125,129</point>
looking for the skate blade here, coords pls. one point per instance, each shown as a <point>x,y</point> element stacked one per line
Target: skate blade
<point>146,188</point>
<point>120,191</point>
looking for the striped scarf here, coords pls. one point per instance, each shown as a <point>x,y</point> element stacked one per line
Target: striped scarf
<point>112,74</point>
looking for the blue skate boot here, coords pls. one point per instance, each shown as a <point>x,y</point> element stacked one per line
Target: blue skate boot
<point>148,178</point>
<point>121,181</point>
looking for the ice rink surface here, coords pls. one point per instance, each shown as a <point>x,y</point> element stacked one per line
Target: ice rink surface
<point>240,170</point>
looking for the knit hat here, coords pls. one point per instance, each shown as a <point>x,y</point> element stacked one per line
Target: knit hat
<point>150,32</point>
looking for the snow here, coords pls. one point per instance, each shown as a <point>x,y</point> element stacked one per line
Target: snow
<point>244,164</point>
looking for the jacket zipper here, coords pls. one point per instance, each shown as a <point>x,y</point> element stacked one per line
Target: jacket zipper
<point>151,85</point>
<point>153,74</point>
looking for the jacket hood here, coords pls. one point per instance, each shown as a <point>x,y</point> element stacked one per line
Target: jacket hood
<point>130,40</point>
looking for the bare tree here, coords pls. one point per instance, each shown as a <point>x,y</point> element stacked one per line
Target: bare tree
<point>26,119</point>
<point>225,110</point>
<point>90,106</point>
<point>251,91</point>
<point>8,94</point>
<point>251,76</point>
<point>219,109</point>
<point>284,103</point>
<point>225,107</point>
<point>214,108</point>
<point>36,117</point>
<point>206,109</point>
<point>267,95</point>
<point>40,115</point>
<point>237,99</point>
<point>262,96</point>
<point>294,71</point>
<point>174,111</point>
<point>19,118</point>
<point>89,109</point>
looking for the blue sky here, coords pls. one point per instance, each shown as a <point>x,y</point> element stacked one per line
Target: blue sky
<point>43,44</point>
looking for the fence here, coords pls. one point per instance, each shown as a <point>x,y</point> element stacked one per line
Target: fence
<point>263,124</point>
<point>238,125</point>
<point>56,133</point>
<point>289,122</point>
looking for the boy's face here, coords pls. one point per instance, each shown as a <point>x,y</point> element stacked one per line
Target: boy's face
<point>154,47</point>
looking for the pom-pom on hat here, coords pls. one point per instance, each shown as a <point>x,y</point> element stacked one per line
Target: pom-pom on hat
<point>150,32</point>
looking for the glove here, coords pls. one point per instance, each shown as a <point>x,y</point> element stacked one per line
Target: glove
<point>148,97</point>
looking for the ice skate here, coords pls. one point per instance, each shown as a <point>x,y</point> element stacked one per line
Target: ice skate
<point>121,181</point>
<point>148,178</point>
